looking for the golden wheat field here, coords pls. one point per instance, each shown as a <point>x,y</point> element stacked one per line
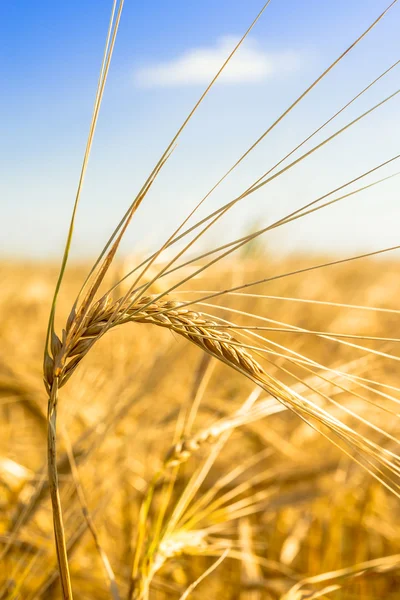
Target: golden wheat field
<point>201,411</point>
<point>292,515</point>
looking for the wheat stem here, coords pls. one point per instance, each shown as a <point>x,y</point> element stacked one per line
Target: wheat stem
<point>55,493</point>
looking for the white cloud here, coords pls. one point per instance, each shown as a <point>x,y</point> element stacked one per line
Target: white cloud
<point>198,66</point>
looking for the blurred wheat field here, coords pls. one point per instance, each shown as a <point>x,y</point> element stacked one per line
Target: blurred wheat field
<point>282,501</point>
<point>222,418</point>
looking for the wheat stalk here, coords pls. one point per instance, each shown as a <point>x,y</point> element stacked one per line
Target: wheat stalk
<point>88,325</point>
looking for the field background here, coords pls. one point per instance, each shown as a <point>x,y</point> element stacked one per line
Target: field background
<point>279,501</point>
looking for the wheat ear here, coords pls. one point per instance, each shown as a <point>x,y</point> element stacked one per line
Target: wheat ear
<point>84,328</point>
<point>78,338</point>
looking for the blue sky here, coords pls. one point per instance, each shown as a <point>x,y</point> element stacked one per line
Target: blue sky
<point>165,53</point>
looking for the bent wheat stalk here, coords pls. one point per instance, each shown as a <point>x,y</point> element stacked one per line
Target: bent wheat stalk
<point>84,329</point>
<point>80,335</point>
